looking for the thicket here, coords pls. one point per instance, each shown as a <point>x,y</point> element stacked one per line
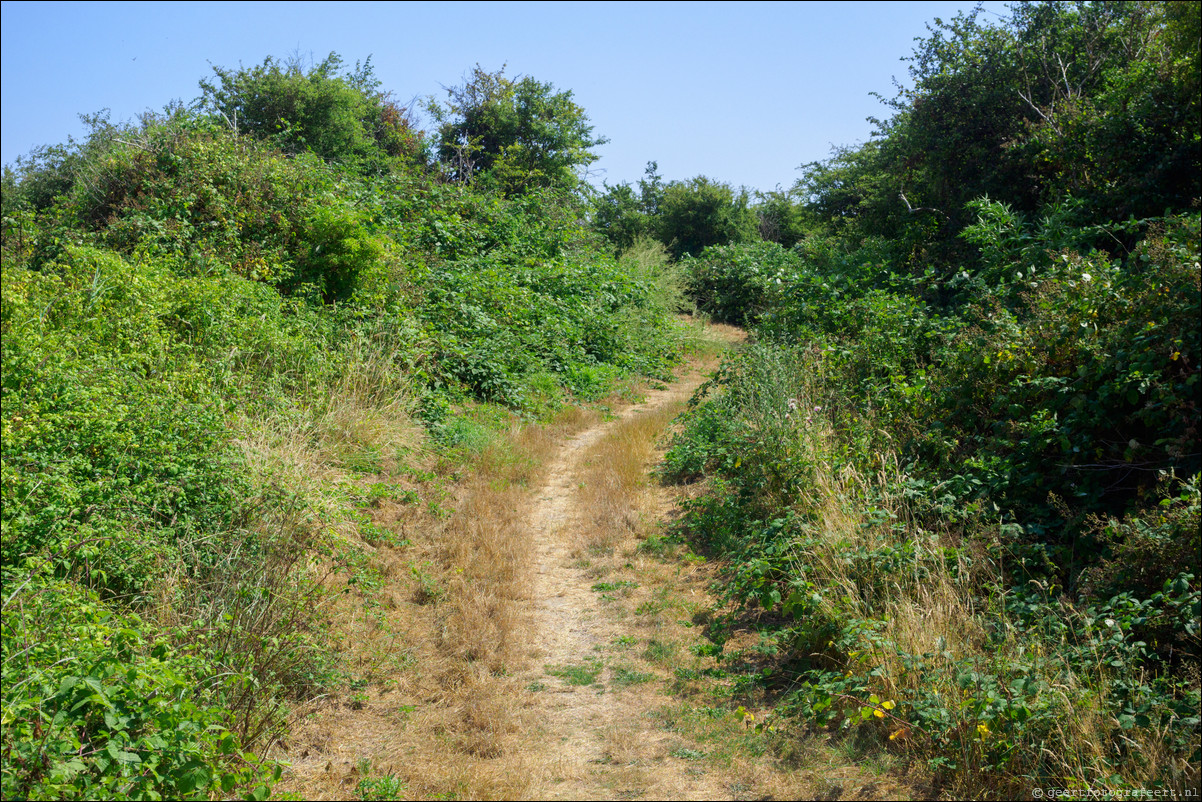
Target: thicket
<point>208,313</point>
<point>957,477</point>
<point>686,217</point>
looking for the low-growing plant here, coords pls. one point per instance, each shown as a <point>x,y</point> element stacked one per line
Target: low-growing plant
<point>582,674</point>
<point>91,709</point>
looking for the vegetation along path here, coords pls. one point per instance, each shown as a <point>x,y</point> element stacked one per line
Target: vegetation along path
<point>583,673</point>
<point>322,442</point>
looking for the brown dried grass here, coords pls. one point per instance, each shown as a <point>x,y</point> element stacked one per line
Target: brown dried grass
<point>441,639</point>
<point>442,642</point>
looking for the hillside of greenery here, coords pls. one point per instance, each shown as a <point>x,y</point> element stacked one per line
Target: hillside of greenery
<point>205,310</point>
<point>953,480</point>
<point>956,478</point>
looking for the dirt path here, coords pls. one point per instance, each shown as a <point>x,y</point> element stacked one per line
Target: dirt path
<point>544,640</point>
<point>582,722</point>
<point>630,697</point>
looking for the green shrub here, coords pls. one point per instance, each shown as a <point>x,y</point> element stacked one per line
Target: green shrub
<point>736,283</point>
<point>695,214</point>
<point>94,710</point>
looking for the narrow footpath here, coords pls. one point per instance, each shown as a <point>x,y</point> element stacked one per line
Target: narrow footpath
<point>561,651</point>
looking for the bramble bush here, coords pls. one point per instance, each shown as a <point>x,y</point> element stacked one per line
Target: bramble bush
<point>967,527</point>
<point>201,323</point>
<point>92,709</point>
<point>881,593</point>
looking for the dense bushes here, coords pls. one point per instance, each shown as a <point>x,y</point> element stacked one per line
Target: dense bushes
<point>736,283</point>
<point>339,115</point>
<point>685,216</point>
<point>956,481</point>
<point>203,322</point>
<point>92,710</point>
<point>908,607</point>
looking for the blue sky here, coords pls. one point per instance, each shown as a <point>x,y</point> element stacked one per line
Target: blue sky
<point>741,92</point>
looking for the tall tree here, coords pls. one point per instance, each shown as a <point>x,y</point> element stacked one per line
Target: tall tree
<point>515,134</point>
<point>339,114</point>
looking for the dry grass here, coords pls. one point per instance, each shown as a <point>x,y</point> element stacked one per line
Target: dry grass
<point>614,482</point>
<point>441,642</point>
<point>438,642</point>
<point>670,731</point>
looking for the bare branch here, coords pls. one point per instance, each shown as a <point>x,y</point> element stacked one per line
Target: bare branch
<point>914,209</point>
<point>1049,120</point>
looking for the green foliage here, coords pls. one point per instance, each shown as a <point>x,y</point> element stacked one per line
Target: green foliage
<point>389,787</point>
<point>93,710</point>
<point>340,115</point>
<point>583,674</point>
<point>975,387</point>
<point>697,213</point>
<point>855,195</point>
<point>624,216</point>
<point>525,294</point>
<point>625,677</point>
<point>38,179</point>
<point>1086,372</point>
<point>782,218</point>
<point>513,134</point>
<point>197,310</point>
<point>210,203</point>
<point>827,563</point>
<point>736,283</point>
<point>111,438</point>
<point>1092,101</point>
<point>619,216</point>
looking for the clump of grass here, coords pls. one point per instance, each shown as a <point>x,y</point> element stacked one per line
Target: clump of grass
<point>623,586</point>
<point>659,651</point>
<point>684,753</point>
<point>581,674</point>
<point>624,676</point>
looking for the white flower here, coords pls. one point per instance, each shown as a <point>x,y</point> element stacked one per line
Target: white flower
<point>1086,277</point>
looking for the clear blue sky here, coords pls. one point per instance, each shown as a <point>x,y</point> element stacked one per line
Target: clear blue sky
<point>741,92</point>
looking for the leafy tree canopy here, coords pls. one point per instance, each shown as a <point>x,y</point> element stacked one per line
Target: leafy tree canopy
<point>339,114</point>
<point>700,212</point>
<point>1094,102</point>
<point>623,214</point>
<point>515,134</point>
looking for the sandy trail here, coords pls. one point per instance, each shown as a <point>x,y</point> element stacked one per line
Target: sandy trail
<point>580,722</point>
<point>446,727</point>
<point>600,742</point>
